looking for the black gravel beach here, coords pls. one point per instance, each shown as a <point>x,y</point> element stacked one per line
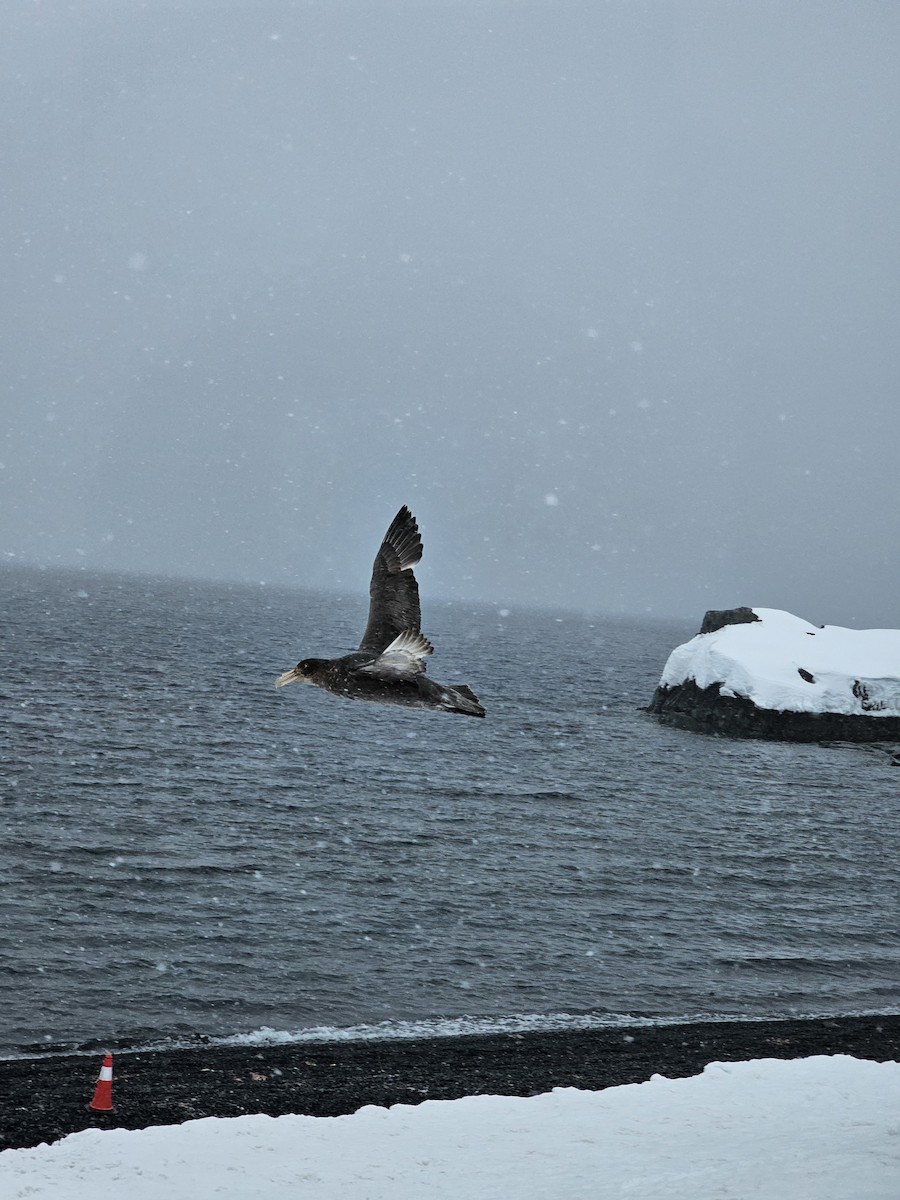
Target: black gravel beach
<point>46,1098</point>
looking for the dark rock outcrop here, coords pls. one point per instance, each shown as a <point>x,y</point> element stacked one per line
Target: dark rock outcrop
<point>718,618</point>
<point>704,710</point>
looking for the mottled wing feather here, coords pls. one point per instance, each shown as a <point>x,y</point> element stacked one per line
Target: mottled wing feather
<point>393,592</point>
<point>404,658</point>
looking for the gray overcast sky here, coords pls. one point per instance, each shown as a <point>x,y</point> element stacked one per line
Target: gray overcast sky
<point>607,292</point>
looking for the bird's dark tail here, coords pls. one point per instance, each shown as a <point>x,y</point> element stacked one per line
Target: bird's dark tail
<point>461,699</point>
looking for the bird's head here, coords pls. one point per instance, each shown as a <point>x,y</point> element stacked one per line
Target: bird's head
<point>303,672</point>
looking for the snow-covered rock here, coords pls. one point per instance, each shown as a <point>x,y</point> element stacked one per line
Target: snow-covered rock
<point>762,672</point>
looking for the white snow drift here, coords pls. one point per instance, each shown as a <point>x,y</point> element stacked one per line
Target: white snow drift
<point>853,671</point>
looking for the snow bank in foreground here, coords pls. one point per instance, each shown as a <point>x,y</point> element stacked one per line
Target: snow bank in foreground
<point>766,1130</point>
<point>847,671</point>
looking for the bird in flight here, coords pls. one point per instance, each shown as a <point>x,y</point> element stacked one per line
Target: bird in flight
<point>389,666</point>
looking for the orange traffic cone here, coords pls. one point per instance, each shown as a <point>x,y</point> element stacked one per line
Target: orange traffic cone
<point>102,1101</point>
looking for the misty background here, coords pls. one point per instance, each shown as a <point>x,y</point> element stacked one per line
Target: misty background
<point>606,292</point>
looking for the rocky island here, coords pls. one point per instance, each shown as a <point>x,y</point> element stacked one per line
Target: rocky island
<point>764,673</point>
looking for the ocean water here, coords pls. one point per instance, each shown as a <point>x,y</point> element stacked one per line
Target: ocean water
<point>189,852</point>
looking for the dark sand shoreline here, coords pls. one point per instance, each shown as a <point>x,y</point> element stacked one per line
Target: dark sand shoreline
<point>44,1099</point>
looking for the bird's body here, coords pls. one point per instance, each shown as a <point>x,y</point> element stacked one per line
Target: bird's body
<point>389,666</point>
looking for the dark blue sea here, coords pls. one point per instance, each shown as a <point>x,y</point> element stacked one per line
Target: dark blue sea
<point>188,852</point>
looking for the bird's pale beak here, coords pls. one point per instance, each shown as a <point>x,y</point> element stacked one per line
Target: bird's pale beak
<point>291,676</point>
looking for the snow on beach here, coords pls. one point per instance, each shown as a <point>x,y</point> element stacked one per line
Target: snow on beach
<point>848,671</point>
<point>819,1128</point>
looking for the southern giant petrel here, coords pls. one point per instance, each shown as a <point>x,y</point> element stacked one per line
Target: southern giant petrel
<point>389,666</point>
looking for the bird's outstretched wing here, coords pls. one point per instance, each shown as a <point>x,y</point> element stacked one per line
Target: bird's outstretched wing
<point>393,592</point>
